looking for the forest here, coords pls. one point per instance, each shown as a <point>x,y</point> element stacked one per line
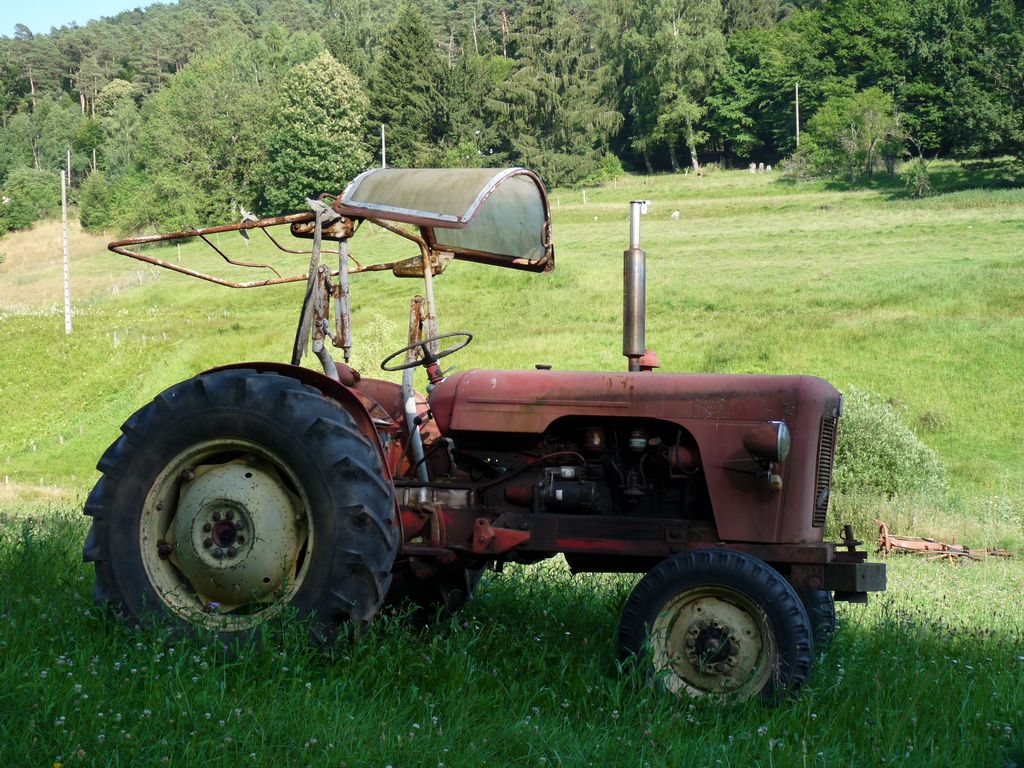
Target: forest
<point>186,113</point>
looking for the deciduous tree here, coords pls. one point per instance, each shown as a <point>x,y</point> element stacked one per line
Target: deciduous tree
<point>315,143</point>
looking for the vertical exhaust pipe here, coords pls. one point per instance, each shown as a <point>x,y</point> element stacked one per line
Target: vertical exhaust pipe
<point>634,290</point>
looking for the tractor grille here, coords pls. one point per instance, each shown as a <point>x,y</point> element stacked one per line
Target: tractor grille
<point>823,481</point>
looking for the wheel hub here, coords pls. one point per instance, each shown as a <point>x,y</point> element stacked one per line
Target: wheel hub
<point>711,647</point>
<point>237,533</point>
<point>712,641</point>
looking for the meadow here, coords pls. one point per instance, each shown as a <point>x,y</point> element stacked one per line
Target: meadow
<point>918,301</point>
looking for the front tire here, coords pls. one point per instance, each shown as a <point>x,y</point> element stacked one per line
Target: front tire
<point>235,495</point>
<point>719,624</point>
<point>821,610</point>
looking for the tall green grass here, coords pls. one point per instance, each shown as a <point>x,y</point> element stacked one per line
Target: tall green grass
<point>931,673</point>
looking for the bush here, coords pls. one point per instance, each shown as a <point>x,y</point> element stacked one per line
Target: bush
<point>878,453</point>
<point>853,135</point>
<point>27,196</point>
<point>96,198</point>
<point>801,165</point>
<point>142,202</point>
<point>610,168</point>
<point>915,177</point>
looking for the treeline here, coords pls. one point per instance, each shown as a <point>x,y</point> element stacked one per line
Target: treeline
<point>182,114</point>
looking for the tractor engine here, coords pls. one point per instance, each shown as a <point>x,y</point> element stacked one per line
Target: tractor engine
<point>630,469</point>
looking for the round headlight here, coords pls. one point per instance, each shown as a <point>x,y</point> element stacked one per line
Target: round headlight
<point>768,443</point>
<point>783,441</point>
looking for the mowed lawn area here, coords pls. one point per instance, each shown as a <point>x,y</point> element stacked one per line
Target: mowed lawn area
<point>918,301</point>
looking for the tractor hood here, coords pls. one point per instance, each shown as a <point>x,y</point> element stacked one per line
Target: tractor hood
<point>529,401</point>
<point>719,412</point>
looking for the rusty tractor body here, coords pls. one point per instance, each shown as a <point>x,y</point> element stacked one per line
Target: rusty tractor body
<point>261,485</point>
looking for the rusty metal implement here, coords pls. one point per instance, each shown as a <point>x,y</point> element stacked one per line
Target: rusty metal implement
<point>930,548</point>
<point>491,216</point>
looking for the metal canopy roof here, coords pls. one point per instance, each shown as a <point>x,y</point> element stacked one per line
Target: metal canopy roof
<point>493,216</point>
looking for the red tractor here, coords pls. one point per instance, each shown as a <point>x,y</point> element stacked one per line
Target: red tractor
<point>262,485</point>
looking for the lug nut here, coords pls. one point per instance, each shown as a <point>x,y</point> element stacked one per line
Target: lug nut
<point>208,527</point>
<point>218,552</point>
<point>187,474</point>
<point>232,551</point>
<point>207,543</point>
<point>230,514</point>
<point>240,539</point>
<point>216,515</point>
<point>239,525</point>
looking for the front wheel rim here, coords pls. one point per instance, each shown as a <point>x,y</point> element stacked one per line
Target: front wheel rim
<point>225,534</point>
<point>713,642</point>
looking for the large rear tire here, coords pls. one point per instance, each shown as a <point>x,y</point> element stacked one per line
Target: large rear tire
<point>236,495</point>
<point>718,624</point>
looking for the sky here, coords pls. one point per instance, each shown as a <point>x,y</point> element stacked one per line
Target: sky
<point>40,15</point>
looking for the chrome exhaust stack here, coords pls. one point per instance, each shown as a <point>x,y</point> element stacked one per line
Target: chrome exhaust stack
<point>634,285</point>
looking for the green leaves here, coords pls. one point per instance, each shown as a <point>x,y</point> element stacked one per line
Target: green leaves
<point>28,195</point>
<point>315,139</point>
<point>558,116</point>
<point>854,135</point>
<point>405,90</point>
<point>672,52</point>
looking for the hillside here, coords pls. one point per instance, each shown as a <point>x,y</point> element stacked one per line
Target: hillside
<point>917,301</point>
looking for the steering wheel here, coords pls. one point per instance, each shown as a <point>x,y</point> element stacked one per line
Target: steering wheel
<point>427,357</point>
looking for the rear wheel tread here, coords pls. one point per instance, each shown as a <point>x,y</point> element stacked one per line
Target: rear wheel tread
<point>293,410</point>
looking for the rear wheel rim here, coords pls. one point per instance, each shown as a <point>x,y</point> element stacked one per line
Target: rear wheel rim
<point>713,641</point>
<point>226,535</point>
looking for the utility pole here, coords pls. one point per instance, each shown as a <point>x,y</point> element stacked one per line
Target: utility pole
<point>65,179</point>
<point>798,113</point>
<point>383,148</point>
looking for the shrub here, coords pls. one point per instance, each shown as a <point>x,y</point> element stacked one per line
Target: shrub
<point>95,206</point>
<point>877,452</point>
<point>915,177</point>
<point>801,165</point>
<point>609,168</point>
<point>27,196</point>
<point>853,135</point>
<point>160,202</point>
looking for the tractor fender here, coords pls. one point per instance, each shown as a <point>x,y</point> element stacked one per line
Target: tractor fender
<point>329,388</point>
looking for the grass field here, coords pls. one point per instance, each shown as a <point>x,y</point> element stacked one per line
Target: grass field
<point>930,674</point>
<point>920,301</point>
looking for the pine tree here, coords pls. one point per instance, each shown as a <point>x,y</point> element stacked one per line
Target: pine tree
<point>559,118</point>
<point>405,90</point>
